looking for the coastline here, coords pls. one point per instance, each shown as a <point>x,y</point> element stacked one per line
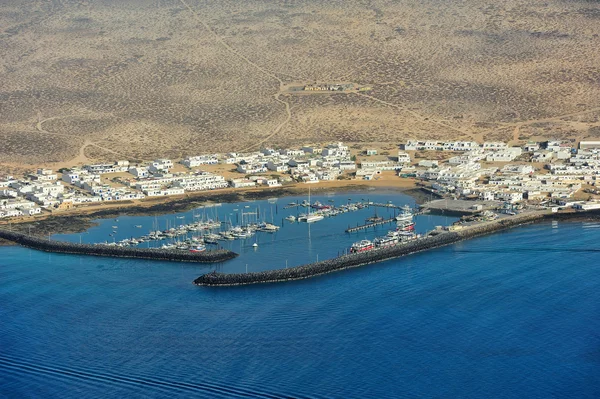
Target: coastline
<point>80,219</point>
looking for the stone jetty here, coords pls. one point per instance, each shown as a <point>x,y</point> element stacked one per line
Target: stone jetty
<point>44,244</point>
<point>377,255</point>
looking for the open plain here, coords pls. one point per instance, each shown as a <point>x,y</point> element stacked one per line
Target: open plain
<point>85,81</point>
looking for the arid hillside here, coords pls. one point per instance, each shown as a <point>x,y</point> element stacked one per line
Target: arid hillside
<point>84,81</point>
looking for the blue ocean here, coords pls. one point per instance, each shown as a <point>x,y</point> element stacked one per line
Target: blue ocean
<point>510,315</point>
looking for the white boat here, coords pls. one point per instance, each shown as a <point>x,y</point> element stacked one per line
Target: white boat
<point>406,215</point>
<point>361,246</point>
<point>291,218</point>
<point>309,217</point>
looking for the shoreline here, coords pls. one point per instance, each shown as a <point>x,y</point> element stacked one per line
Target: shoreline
<point>81,219</point>
<point>302,272</point>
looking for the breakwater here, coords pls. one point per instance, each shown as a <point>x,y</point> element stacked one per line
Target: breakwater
<point>44,244</point>
<point>376,255</point>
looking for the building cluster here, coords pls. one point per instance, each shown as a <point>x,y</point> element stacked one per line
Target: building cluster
<point>475,174</point>
<point>122,180</point>
<point>552,170</point>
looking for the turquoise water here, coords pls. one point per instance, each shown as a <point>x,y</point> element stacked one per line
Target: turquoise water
<point>511,315</point>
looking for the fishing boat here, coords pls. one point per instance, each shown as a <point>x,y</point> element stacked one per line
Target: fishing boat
<point>361,246</point>
<point>198,248</point>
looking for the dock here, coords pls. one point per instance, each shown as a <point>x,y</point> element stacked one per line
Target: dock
<point>369,225</point>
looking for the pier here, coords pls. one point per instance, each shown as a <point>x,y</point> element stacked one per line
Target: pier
<point>44,244</point>
<point>369,225</point>
<point>383,254</point>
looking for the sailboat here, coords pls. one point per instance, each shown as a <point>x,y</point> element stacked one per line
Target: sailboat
<point>310,217</point>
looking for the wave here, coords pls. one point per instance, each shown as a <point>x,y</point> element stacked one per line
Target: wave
<point>8,364</point>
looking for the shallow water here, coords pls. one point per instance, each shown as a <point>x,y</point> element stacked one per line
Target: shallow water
<point>510,315</point>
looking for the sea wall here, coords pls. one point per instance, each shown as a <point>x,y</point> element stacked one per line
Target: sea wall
<point>374,256</point>
<point>43,244</point>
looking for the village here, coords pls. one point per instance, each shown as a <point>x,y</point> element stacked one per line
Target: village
<point>555,174</point>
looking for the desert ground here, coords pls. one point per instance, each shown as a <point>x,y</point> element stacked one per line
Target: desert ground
<point>87,81</point>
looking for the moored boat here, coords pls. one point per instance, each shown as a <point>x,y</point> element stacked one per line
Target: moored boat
<point>361,246</point>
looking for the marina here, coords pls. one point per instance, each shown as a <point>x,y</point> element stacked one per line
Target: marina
<point>294,243</point>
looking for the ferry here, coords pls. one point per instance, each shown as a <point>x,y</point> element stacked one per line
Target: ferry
<point>406,215</point>
<point>361,246</point>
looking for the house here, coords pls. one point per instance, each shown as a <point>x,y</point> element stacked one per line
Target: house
<point>241,183</point>
<point>346,165</point>
<point>542,156</point>
<point>426,163</point>
<point>403,157</point>
<point>531,146</point>
<point>277,166</point>
<point>494,146</point>
<point>139,172</point>
<point>589,145</point>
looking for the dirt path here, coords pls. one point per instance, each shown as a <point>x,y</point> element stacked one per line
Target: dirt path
<point>516,133</point>
<point>261,69</point>
<point>277,129</point>
<point>413,113</point>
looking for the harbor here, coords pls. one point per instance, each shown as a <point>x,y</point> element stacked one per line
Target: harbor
<point>294,243</point>
<point>375,255</point>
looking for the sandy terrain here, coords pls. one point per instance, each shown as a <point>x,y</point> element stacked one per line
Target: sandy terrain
<point>84,81</point>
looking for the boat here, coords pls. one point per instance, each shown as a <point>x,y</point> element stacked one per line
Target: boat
<point>272,200</point>
<point>309,217</point>
<point>198,248</point>
<point>406,226</point>
<point>361,246</point>
<point>180,217</point>
<point>268,227</point>
<point>138,226</point>
<point>115,227</point>
<point>386,241</point>
<point>255,245</point>
<point>291,218</point>
<point>406,215</point>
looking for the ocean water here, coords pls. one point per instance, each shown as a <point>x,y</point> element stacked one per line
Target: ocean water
<point>510,315</point>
